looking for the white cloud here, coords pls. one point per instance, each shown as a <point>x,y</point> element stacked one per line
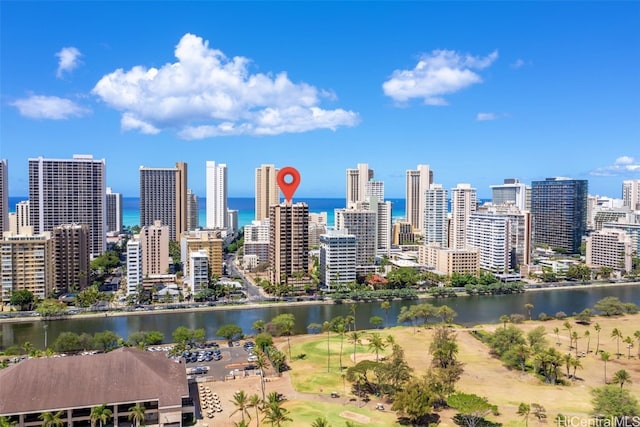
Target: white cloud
<point>481,117</point>
<point>438,73</point>
<point>68,60</point>
<point>623,165</point>
<point>49,107</point>
<point>519,63</point>
<point>206,94</point>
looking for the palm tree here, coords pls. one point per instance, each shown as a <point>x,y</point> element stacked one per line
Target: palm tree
<point>320,422</point>
<point>621,377</point>
<point>376,344</point>
<point>605,358</point>
<point>529,307</point>
<point>100,413</point>
<point>241,423</point>
<point>617,335</point>
<point>51,420</point>
<point>274,412</point>
<point>6,422</point>
<point>629,342</point>
<point>587,335</point>
<point>636,335</point>
<point>386,306</point>
<point>355,337</point>
<point>354,307</point>
<point>504,319</point>
<point>556,331</point>
<point>137,414</point>
<point>575,337</point>
<point>256,403</point>
<point>241,402</point>
<point>524,409</point>
<point>326,326</point>
<point>597,328</point>
<point>261,363</point>
<point>568,327</point>
<point>575,364</point>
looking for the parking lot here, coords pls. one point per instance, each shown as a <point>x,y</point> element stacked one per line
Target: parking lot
<point>232,361</point>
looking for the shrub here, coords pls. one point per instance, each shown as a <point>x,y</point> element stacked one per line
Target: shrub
<point>560,315</point>
<point>516,318</point>
<point>544,317</point>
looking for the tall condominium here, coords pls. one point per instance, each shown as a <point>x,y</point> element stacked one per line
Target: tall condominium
<point>362,223</point>
<point>198,272</point>
<point>384,215</point>
<point>463,204</point>
<point>217,216</point>
<point>209,241</point>
<point>512,191</point>
<point>434,229</point>
<point>289,241</point>
<point>559,212</point>
<point>155,249</point>
<point>631,194</point>
<point>27,263</point>
<point>4,196</point>
<point>374,188</point>
<point>114,211</point>
<point>22,216</point>
<point>357,183</point>
<point>193,211</point>
<point>418,181</point>
<point>71,255</point>
<point>337,259</point>
<point>163,196</point>
<point>256,241</point>
<point>69,191</point>
<point>610,248</point>
<point>267,191</point>
<point>134,265</point>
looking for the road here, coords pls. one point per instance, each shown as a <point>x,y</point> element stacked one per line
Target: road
<point>254,293</point>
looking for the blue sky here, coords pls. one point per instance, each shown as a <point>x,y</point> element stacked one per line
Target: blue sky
<point>480,91</point>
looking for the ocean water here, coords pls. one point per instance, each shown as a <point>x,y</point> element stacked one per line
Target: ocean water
<point>244,205</point>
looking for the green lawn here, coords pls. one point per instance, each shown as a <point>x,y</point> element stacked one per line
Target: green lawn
<point>304,413</point>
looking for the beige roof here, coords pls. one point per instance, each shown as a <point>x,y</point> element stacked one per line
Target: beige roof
<point>123,375</point>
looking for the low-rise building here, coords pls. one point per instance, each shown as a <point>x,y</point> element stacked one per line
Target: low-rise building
<point>447,261</point>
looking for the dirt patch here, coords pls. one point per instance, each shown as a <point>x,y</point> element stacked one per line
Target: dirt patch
<point>362,419</point>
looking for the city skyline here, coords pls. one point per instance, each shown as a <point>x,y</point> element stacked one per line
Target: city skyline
<point>475,90</point>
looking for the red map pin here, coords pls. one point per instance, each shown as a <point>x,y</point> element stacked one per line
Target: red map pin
<point>289,187</point>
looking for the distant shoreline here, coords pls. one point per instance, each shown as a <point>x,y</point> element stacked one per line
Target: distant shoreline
<point>222,307</point>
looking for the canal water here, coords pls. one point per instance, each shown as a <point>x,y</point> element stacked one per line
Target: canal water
<point>471,311</point>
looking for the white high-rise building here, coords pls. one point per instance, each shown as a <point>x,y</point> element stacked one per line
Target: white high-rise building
<point>267,192</point>
<point>463,204</point>
<point>114,211</point>
<point>69,191</point>
<point>363,224</point>
<point>217,195</point>
<point>198,271</point>
<point>338,251</point>
<point>488,232</point>
<point>22,216</point>
<point>4,196</point>
<point>631,194</point>
<point>512,191</point>
<point>418,181</point>
<point>134,265</point>
<point>435,210</point>
<point>384,226</point>
<point>374,188</point>
<point>357,183</point>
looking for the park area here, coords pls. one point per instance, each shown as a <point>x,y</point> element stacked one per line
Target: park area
<point>316,387</point>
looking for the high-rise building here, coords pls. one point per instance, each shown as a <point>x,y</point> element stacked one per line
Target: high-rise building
<point>559,212</point>
<point>193,211</point>
<point>163,196</point>
<point>217,216</point>
<point>374,188</point>
<point>610,248</point>
<point>418,181</point>
<point>403,233</point>
<point>69,191</point>
<point>434,229</point>
<point>232,220</point>
<point>155,249</point>
<point>27,263</point>
<point>631,228</point>
<point>463,203</point>
<point>631,194</point>
<point>337,259</point>
<point>256,240</point>
<point>207,240</point>
<point>362,223</point>
<point>267,191</point>
<point>71,257</point>
<point>198,276</point>
<point>114,211</point>
<point>22,216</point>
<point>134,265</point>
<point>357,183</point>
<point>4,196</point>
<point>289,242</point>
<point>317,227</point>
<point>511,191</point>
<point>447,261</point>
<point>384,215</point>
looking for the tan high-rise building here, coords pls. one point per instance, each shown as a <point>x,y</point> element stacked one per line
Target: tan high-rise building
<point>155,249</point>
<point>69,191</point>
<point>210,241</point>
<point>163,196</point>
<point>289,242</point>
<point>267,191</point>
<point>71,257</point>
<point>357,183</point>
<point>610,248</point>
<point>22,216</point>
<point>418,181</point>
<point>447,261</point>
<point>27,263</point>
<point>463,203</point>
<point>4,196</point>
